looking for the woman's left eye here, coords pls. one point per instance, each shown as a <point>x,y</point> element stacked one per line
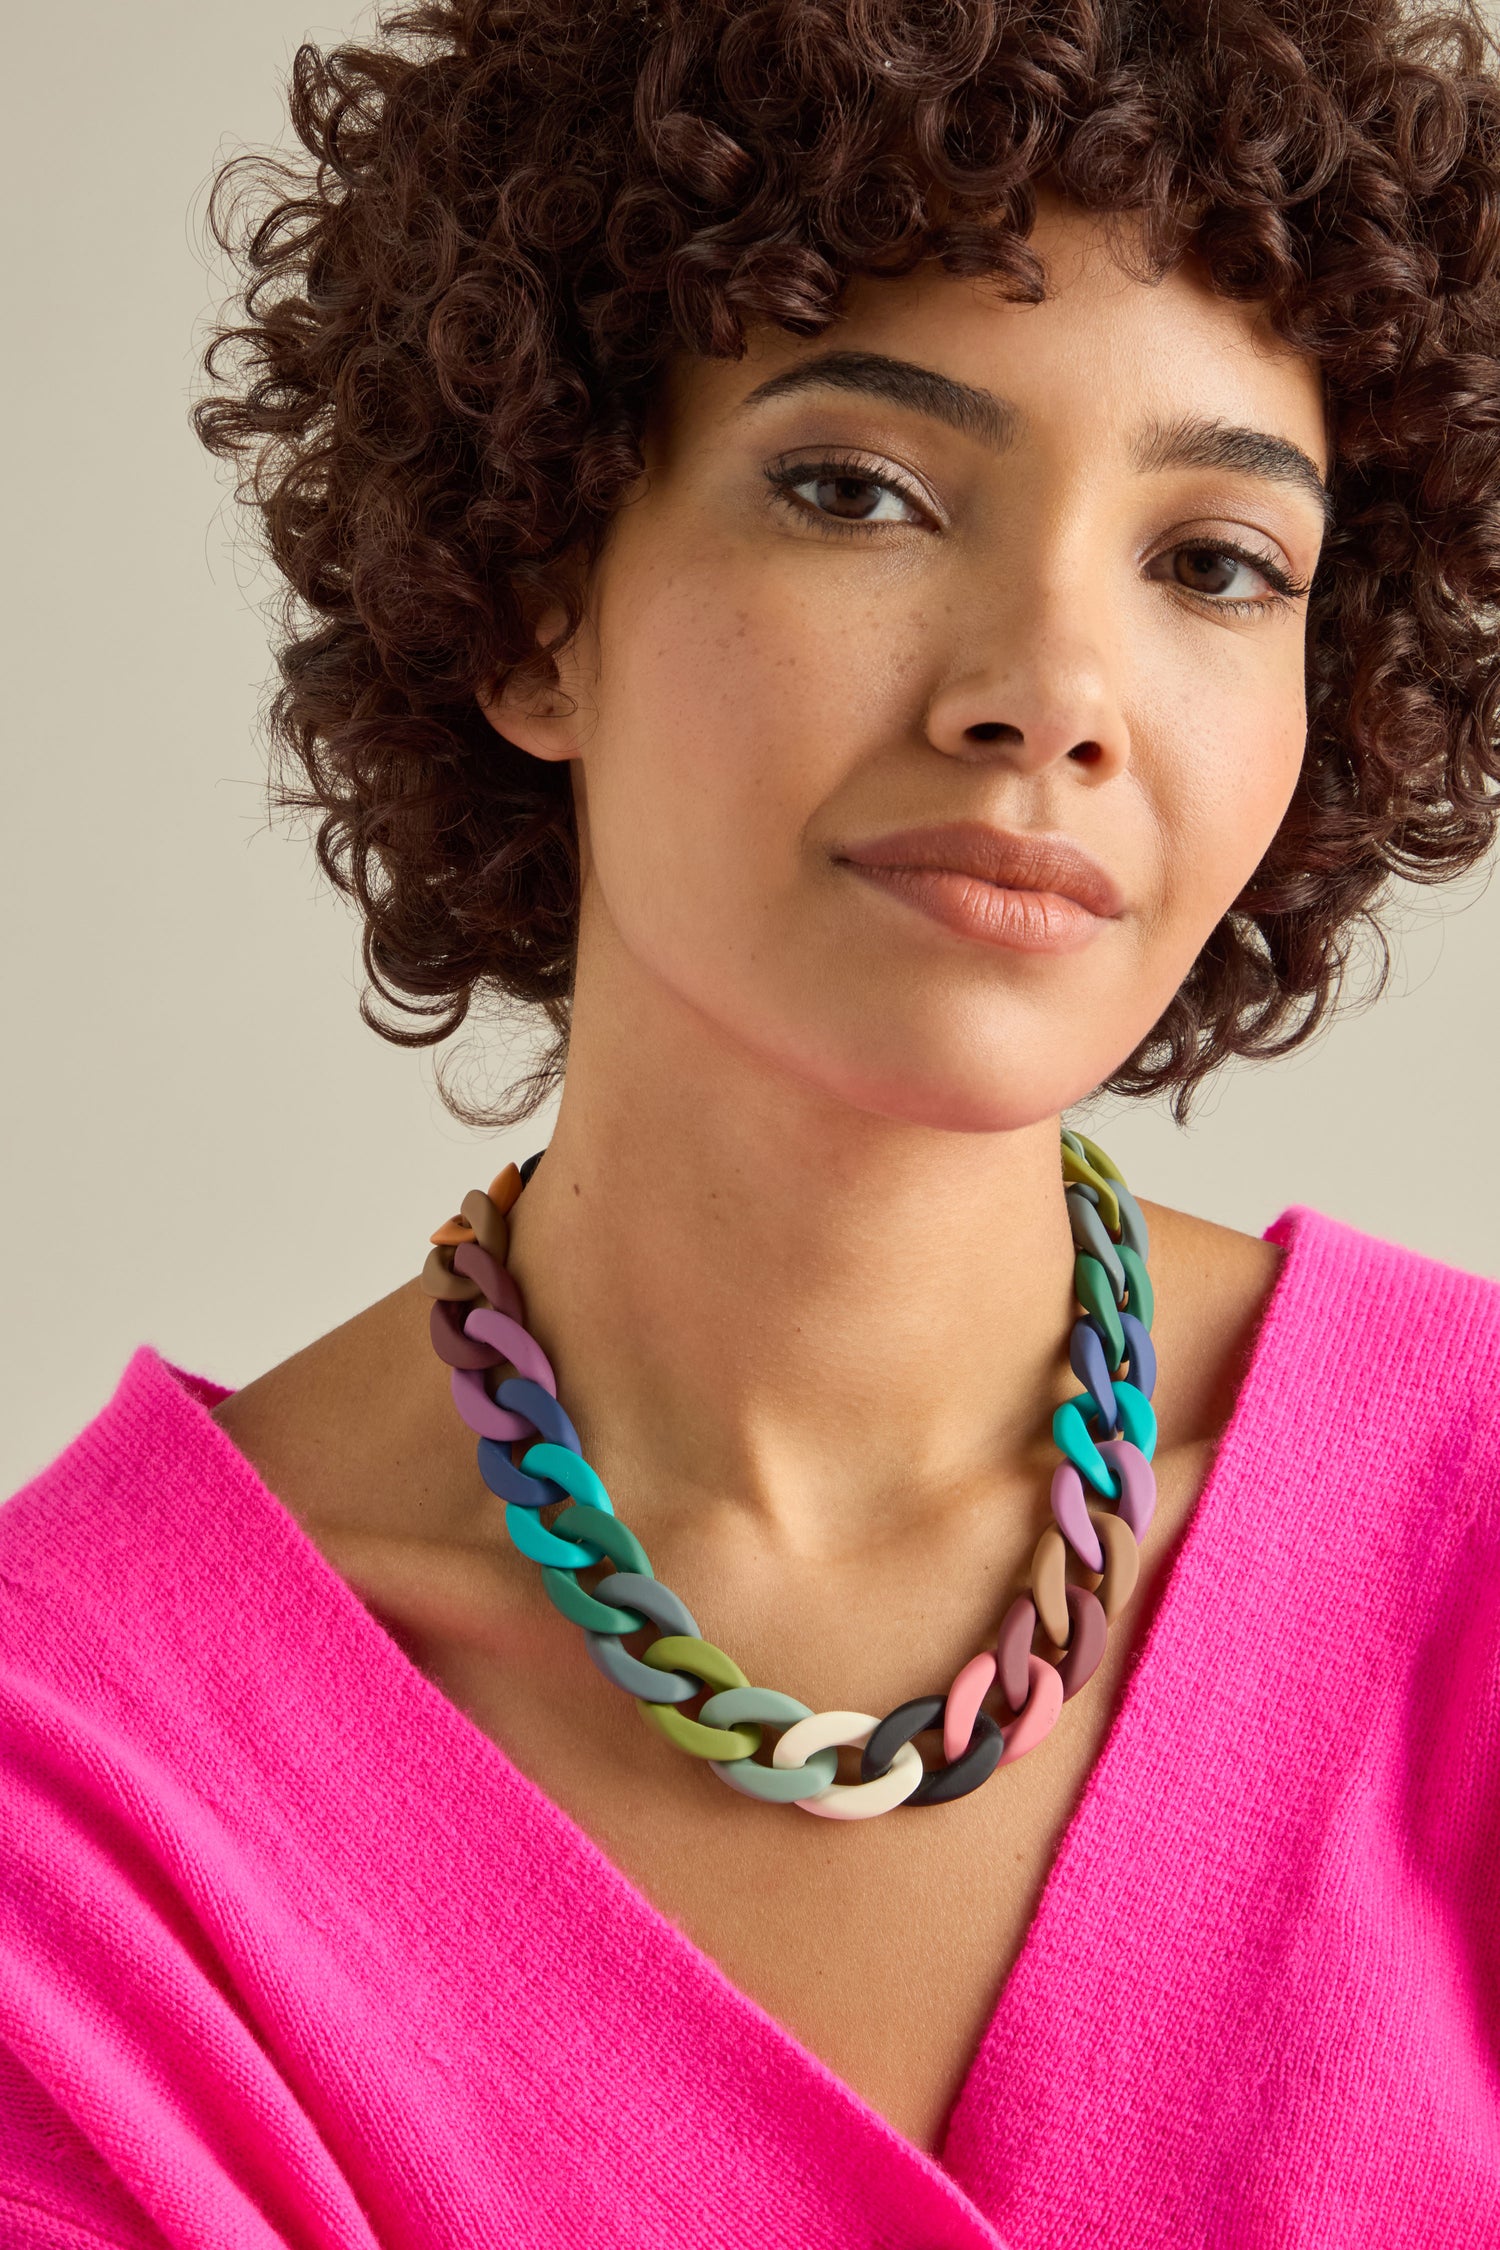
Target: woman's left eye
<point>1227,575</point>
<point>846,495</point>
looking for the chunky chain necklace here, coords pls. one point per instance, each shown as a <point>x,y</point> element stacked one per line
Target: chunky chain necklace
<point>1103,1493</point>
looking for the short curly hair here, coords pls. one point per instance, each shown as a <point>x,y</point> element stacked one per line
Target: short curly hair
<point>455,306</point>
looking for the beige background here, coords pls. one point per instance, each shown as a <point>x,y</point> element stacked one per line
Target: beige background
<point>203,1147</point>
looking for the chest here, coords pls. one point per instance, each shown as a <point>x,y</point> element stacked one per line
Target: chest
<point>881,1945</point>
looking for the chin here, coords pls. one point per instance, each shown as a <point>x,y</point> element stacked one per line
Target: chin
<point>1003,1090</point>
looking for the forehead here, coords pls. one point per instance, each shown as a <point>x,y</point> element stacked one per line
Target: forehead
<point>1106,355</point>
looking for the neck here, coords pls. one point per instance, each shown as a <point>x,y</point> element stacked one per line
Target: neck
<point>760,1299</point>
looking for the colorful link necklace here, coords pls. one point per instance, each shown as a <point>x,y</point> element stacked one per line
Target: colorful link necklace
<point>1103,1493</point>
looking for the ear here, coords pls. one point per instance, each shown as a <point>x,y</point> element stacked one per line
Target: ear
<point>537,716</point>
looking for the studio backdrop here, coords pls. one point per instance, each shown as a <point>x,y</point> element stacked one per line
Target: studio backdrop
<point>180,996</point>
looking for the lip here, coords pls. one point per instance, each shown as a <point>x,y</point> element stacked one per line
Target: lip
<point>1032,892</point>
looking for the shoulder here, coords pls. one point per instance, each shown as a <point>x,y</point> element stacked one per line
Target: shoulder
<point>1396,1305</point>
<point>1313,1279</point>
<point>126,1556</point>
<point>180,1694</point>
<point>1212,1286</point>
<point>356,1432</point>
<point>1329,1332</point>
<point>115,1491</point>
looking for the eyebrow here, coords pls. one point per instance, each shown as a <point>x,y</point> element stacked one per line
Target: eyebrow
<point>972,412</point>
<point>1199,442</point>
<point>1191,442</point>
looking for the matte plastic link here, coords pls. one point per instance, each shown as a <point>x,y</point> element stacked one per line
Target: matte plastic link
<point>1078,1170</point>
<point>1071,1514</point>
<point>1135,1419</point>
<point>1137,1500</point>
<point>487,1225</point>
<point>575,1477</point>
<point>1090,1234</point>
<point>690,1652</point>
<point>1089,1360</point>
<point>657,1604</point>
<point>526,1356</point>
<point>507,1482</point>
<point>1133,1230</point>
<point>541,1410</point>
<point>1142,1296</point>
<point>961,1705</point>
<point>685,1652</point>
<point>597,1527</point>
<point>940,1787</point>
<point>591,1527</point>
<point>1122,1562</point>
<point>1049,1581</point>
<point>1085,1642</point>
<point>1141,1353</point>
<point>583,1608</point>
<point>440,1280</point>
<point>1104,1166</point>
<point>1072,1437</point>
<point>1013,1650</point>
<point>774,1785</point>
<point>622,1670</point>
<point>848,1800</point>
<point>561,1466</point>
<point>538,1544</point>
<point>699,1741</point>
<point>1091,1287</point>
<point>1038,1716</point>
<point>445,1328</point>
<point>506,1186</point>
<point>727,1707</point>
<point>494,1280</point>
<point>478,1409</point>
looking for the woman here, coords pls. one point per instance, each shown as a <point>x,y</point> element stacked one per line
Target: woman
<point>885,569</point>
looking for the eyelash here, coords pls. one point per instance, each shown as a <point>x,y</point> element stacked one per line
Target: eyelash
<point>783,481</point>
<point>1284,588</point>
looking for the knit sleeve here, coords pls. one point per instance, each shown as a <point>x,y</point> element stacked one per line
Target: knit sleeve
<point>56,2191</point>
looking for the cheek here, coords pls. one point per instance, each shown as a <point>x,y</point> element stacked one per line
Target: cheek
<point>1229,759</point>
<point>728,710</point>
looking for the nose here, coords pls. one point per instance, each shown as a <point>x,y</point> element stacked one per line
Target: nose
<point>1038,685</point>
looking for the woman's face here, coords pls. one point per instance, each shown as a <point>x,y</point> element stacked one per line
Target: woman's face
<point>944,684</point>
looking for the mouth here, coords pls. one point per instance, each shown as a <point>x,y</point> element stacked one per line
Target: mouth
<point>1032,893</point>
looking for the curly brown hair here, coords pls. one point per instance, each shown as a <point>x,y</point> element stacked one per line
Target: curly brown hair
<point>510,212</point>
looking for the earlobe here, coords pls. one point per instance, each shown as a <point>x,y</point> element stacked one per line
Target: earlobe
<point>534,713</point>
<point>535,716</point>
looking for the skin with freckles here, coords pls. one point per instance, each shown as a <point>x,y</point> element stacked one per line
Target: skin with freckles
<point>939,690</point>
<point>831,616</point>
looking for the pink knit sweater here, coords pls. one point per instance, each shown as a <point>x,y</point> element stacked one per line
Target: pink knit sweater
<point>292,1955</point>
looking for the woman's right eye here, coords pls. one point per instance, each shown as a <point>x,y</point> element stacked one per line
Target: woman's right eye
<point>846,496</point>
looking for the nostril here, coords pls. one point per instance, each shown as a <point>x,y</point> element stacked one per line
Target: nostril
<point>1086,753</point>
<point>993,730</point>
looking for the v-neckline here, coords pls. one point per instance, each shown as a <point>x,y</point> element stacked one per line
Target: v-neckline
<point>1137,1707</point>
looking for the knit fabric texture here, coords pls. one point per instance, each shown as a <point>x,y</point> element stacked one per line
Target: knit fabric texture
<point>292,1956</point>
